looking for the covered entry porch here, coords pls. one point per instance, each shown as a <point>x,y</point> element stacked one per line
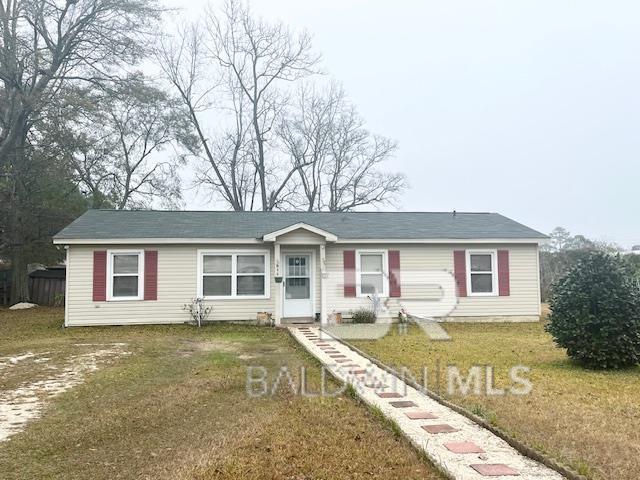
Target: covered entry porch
<point>300,274</point>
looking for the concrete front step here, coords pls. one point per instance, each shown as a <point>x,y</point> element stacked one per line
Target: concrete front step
<point>298,321</point>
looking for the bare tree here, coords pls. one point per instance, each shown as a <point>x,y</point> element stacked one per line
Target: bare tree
<point>45,44</point>
<point>90,172</point>
<point>355,177</point>
<point>228,165</point>
<point>338,160</point>
<point>126,136</point>
<point>48,42</point>
<point>306,134</point>
<point>268,151</point>
<point>259,56</point>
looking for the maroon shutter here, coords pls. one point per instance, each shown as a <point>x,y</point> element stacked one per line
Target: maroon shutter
<point>99,276</point>
<point>460,271</point>
<point>503,273</point>
<point>150,275</point>
<point>349,260</point>
<point>394,273</point>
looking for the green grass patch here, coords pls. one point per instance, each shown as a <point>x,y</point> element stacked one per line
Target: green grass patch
<point>178,408</point>
<point>587,419</point>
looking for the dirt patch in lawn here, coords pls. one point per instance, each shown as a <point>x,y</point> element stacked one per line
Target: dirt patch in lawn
<point>160,415</point>
<point>190,347</point>
<point>49,377</point>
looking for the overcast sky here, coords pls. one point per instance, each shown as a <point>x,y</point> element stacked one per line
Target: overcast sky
<point>527,108</point>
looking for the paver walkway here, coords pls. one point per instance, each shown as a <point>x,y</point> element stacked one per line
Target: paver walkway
<point>457,445</point>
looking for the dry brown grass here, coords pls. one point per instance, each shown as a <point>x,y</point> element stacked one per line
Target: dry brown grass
<point>587,419</point>
<point>178,409</point>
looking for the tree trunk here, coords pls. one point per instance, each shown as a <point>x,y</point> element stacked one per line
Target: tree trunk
<point>260,141</point>
<point>16,232</point>
<point>19,276</point>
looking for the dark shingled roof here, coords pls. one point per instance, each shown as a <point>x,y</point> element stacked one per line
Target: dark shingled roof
<point>124,224</point>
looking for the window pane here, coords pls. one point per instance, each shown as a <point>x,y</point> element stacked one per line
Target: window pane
<point>481,283</point>
<point>217,264</point>
<point>125,264</point>
<point>125,286</point>
<point>371,263</point>
<point>250,264</point>
<point>250,285</point>
<point>297,266</point>
<point>298,288</point>
<point>481,263</point>
<point>216,286</point>
<point>371,283</point>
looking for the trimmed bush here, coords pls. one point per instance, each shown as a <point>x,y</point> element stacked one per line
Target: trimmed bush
<point>595,313</point>
<point>363,315</point>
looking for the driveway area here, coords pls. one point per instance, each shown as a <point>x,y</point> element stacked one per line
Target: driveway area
<point>29,381</point>
<point>175,402</point>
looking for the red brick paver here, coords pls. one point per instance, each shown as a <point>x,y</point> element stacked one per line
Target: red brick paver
<point>441,428</point>
<point>420,415</point>
<point>494,469</point>
<point>403,404</point>
<point>389,395</point>
<point>463,447</point>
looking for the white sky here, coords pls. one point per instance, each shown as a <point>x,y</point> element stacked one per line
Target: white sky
<point>527,108</point>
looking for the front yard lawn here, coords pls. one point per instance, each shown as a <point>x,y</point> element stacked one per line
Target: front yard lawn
<point>589,420</point>
<point>175,406</point>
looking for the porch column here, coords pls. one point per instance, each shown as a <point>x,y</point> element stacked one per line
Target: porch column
<point>324,314</point>
<point>279,292</point>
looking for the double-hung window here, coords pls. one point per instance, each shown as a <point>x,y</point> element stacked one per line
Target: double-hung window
<point>482,272</point>
<point>217,275</point>
<point>372,278</point>
<point>250,275</point>
<point>233,275</point>
<point>125,272</point>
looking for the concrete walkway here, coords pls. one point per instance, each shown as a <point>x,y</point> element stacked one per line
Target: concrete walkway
<point>460,447</point>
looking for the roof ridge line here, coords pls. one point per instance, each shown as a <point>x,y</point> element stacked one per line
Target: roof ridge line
<point>292,211</point>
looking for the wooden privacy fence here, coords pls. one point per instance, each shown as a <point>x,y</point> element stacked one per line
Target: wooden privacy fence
<point>46,287</point>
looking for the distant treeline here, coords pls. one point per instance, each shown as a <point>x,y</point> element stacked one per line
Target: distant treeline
<point>565,250</point>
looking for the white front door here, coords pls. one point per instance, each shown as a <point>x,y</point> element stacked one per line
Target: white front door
<point>298,285</point>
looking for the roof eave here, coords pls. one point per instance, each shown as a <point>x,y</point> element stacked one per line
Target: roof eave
<point>272,236</point>
<point>253,241</point>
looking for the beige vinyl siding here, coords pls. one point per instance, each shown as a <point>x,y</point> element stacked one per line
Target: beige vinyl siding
<point>524,299</point>
<point>300,236</point>
<point>177,285</point>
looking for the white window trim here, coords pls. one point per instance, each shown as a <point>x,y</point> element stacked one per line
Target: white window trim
<point>234,254</point>
<point>494,272</point>
<point>110,275</point>
<point>385,272</point>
